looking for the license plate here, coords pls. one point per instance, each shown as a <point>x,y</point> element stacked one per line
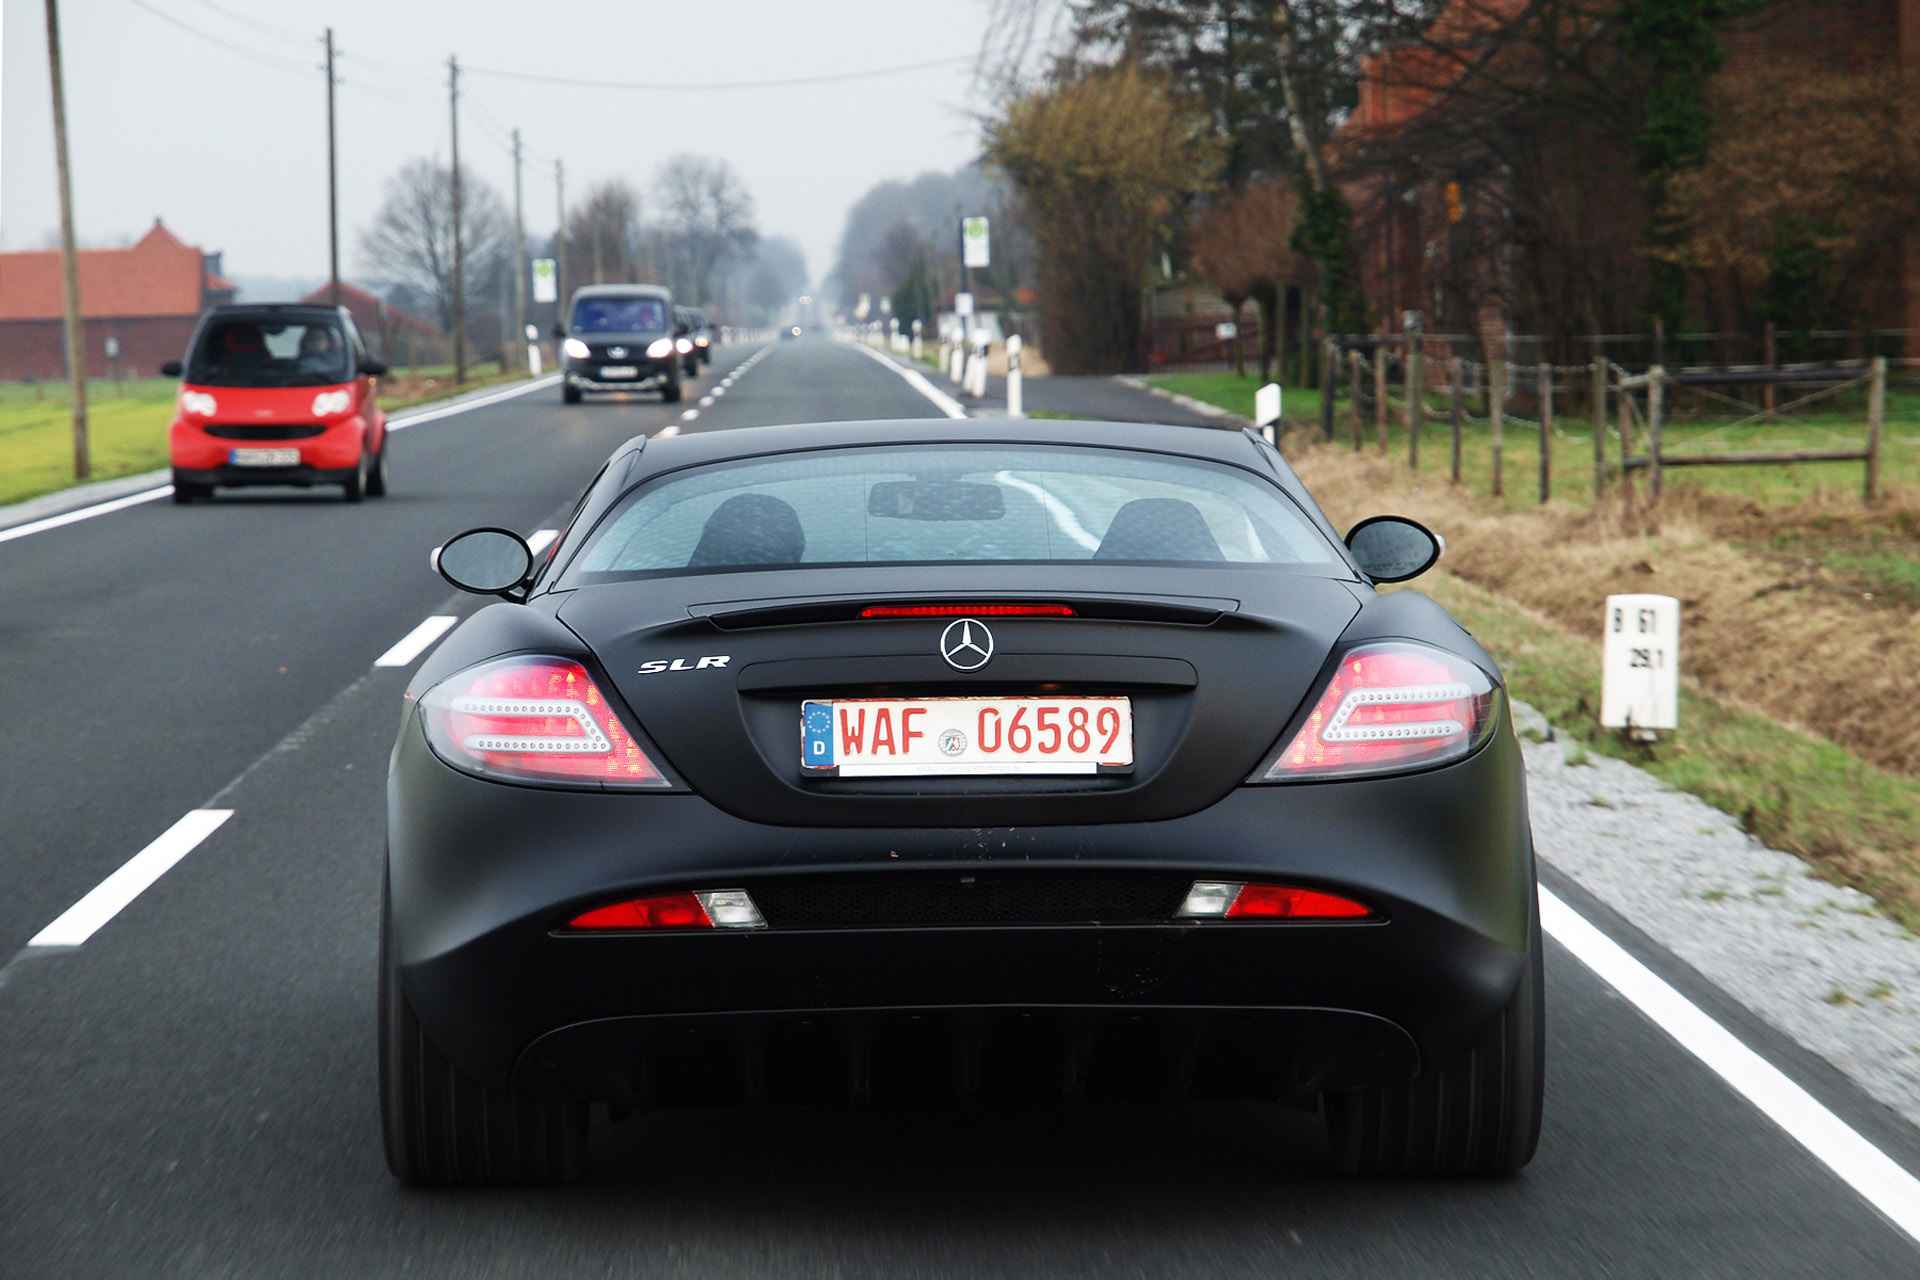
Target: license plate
<point>879,737</point>
<point>619,371</point>
<point>264,457</point>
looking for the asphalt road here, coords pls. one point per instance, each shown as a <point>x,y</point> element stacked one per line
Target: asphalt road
<point>191,1092</point>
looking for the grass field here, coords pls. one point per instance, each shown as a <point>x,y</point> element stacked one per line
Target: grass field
<point>1234,394</point>
<point>127,425</point>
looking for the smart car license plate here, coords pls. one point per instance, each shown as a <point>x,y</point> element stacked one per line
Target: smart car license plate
<point>881,737</point>
<point>264,457</point>
<point>619,371</point>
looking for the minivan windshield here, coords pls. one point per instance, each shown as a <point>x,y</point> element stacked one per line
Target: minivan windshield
<point>642,314</point>
<point>269,351</point>
<point>907,504</point>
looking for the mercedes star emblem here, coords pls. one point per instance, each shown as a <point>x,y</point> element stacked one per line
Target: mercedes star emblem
<point>618,353</point>
<point>966,645</point>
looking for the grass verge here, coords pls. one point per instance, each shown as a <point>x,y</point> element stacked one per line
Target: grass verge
<point>127,425</point>
<point>1852,822</point>
<point>1235,394</point>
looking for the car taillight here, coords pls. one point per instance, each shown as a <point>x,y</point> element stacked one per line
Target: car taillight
<point>967,611</point>
<point>1389,706</point>
<point>533,719</point>
<point>1234,900</point>
<point>711,909</point>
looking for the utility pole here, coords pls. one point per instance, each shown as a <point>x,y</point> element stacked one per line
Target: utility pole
<point>562,279</point>
<point>519,342</point>
<point>459,263</point>
<point>333,190</point>
<point>69,256</point>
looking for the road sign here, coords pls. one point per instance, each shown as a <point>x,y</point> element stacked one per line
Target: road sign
<point>963,304</point>
<point>546,280</point>
<point>1640,663</point>
<point>973,242</point>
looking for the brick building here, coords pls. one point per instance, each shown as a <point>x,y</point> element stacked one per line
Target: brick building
<point>1450,202</point>
<point>146,297</point>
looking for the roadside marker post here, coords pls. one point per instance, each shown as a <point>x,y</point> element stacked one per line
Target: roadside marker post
<point>1266,411</point>
<point>1016,407</point>
<point>1640,665</point>
<point>918,347</point>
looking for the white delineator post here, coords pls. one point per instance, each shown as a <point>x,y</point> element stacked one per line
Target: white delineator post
<point>917,347</point>
<point>958,359</point>
<point>1266,411</point>
<point>977,365</point>
<point>1015,407</point>
<point>533,350</point>
<point>1640,672</point>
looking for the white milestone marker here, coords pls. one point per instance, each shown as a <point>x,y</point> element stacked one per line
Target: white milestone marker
<point>1640,681</point>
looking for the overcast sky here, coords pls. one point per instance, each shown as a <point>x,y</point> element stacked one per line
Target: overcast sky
<point>228,144</point>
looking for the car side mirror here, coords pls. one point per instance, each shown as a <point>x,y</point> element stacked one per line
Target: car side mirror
<point>487,562</point>
<point>171,369</point>
<point>373,368</point>
<point>1394,548</point>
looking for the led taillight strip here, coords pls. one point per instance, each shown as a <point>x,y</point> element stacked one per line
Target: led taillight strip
<point>967,611</point>
<point>592,741</point>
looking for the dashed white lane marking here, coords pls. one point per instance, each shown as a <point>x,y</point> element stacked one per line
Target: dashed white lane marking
<point>540,539</point>
<point>150,495</point>
<point>720,390</point>
<point>415,642</point>
<point>941,400</point>
<point>706,401</point>
<point>84,513</point>
<point>81,920</point>
<point>671,429</point>
<point>1829,1139</point>
<point>689,415</point>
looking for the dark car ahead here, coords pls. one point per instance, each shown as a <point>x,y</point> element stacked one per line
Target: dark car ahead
<point>705,336</point>
<point>917,760</point>
<point>277,395</point>
<point>620,337</point>
<point>684,328</point>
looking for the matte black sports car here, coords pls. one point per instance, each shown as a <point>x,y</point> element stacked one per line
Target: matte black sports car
<point>907,760</point>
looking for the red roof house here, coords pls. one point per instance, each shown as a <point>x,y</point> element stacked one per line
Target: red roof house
<point>146,297</point>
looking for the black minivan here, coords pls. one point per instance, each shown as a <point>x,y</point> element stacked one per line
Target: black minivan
<point>619,337</point>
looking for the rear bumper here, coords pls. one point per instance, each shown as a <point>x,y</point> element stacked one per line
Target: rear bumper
<point>480,875</point>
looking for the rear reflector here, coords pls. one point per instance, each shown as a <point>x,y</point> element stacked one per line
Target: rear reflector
<point>1233,900</point>
<point>967,611</point>
<point>712,909</point>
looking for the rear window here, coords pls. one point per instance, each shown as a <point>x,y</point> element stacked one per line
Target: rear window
<point>619,315</point>
<point>251,351</point>
<point>943,504</point>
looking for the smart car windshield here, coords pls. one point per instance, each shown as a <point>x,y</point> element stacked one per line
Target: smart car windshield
<point>934,504</point>
<point>643,314</point>
<point>255,351</point>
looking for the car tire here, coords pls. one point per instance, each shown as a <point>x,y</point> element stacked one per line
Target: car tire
<point>354,487</point>
<point>377,474</point>
<point>185,492</point>
<point>670,393</point>
<point>442,1127</point>
<point>1477,1116</point>
<point>569,395</point>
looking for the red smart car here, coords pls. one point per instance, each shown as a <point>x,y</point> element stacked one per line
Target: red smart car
<point>277,395</point>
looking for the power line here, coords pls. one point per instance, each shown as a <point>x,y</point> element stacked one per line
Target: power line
<point>278,33</point>
<point>714,85</point>
<point>254,54</point>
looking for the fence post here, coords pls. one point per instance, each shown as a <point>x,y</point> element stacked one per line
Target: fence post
<point>1329,375</point>
<point>1599,426</point>
<point>1453,412</point>
<point>1412,375</point>
<point>1546,432</point>
<point>1656,408</point>
<point>1380,394</point>
<point>1353,394</point>
<point>1626,444</point>
<point>1876,410</point>
<point>1496,394</point>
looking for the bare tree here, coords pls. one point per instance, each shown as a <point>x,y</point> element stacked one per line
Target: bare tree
<point>604,234</point>
<point>707,214</point>
<point>409,247</point>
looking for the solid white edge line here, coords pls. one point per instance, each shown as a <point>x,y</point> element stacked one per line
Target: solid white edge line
<point>149,495</point>
<point>540,539</point>
<point>447,411</point>
<point>415,642</point>
<point>941,400</point>
<point>1861,1165</point>
<point>84,513</point>
<point>108,898</point>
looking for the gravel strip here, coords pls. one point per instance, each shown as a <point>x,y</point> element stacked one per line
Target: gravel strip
<point>1817,961</point>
